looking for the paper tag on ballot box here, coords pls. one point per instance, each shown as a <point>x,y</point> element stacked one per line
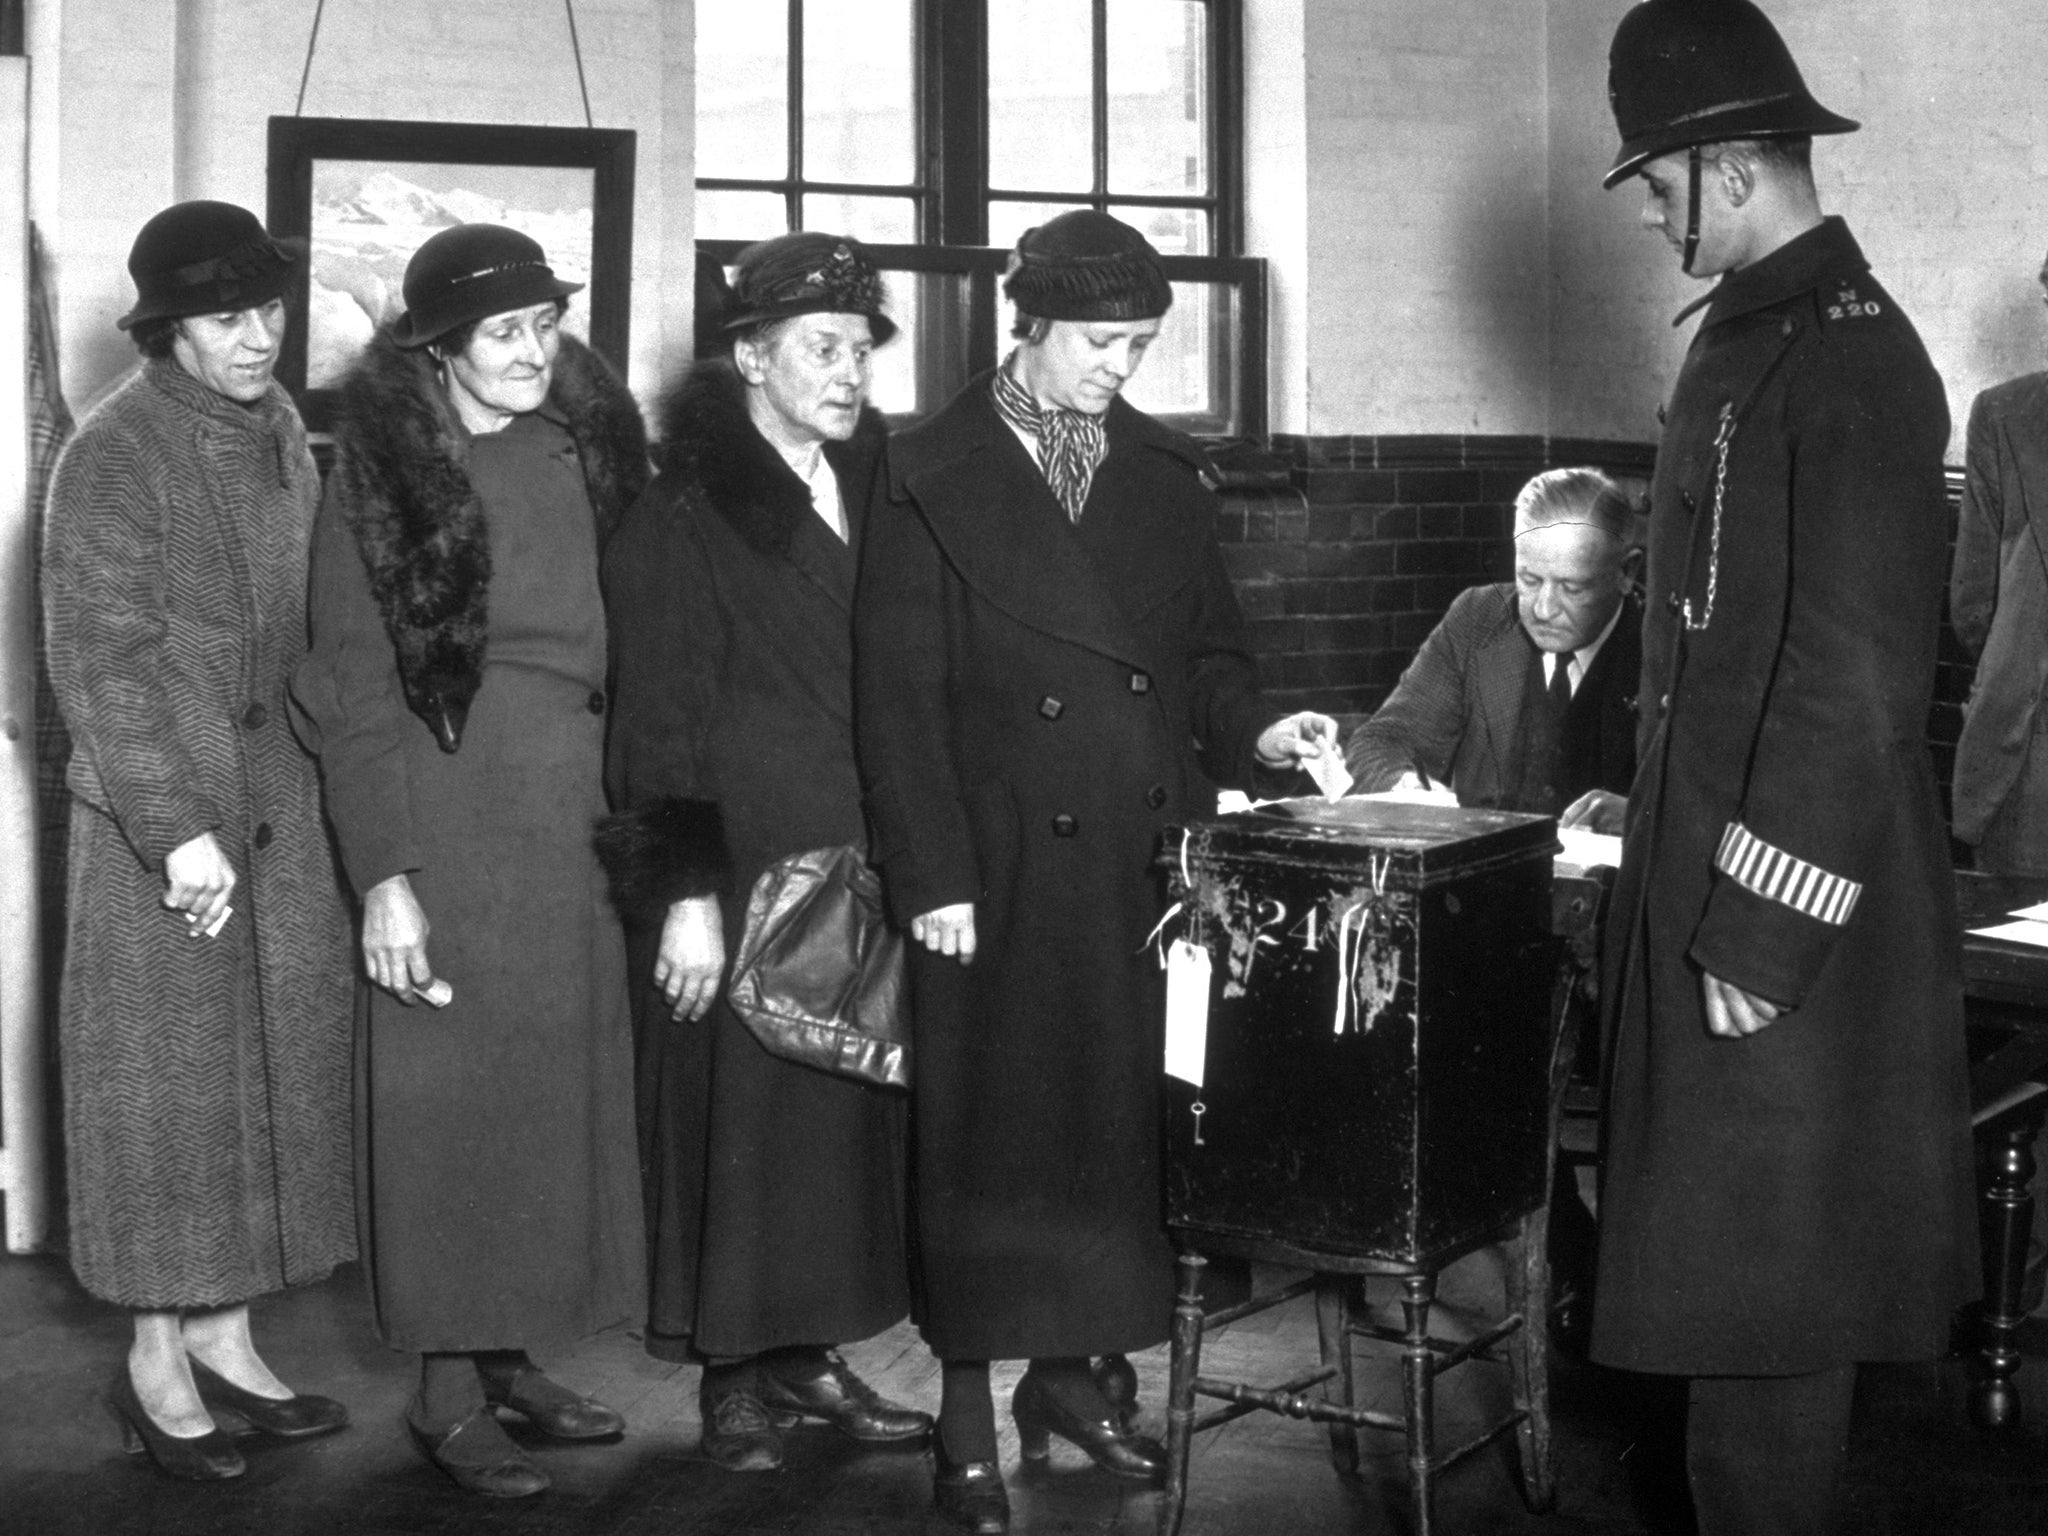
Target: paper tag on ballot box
<point>1187,1010</point>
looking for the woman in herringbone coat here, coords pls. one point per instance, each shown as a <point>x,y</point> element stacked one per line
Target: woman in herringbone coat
<point>455,688</point>
<point>205,1014</point>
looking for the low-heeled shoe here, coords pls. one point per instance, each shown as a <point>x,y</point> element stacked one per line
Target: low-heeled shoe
<point>1040,1415</point>
<point>207,1458</point>
<point>298,1417</point>
<point>552,1408</point>
<point>739,1433</point>
<point>840,1398</point>
<point>971,1494</point>
<point>480,1456</point>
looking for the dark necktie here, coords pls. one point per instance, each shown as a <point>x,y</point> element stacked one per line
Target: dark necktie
<point>1561,682</point>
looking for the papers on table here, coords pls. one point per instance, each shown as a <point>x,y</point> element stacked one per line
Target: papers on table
<point>2019,929</point>
<point>1587,849</point>
<point>2027,925</point>
<point>1436,794</point>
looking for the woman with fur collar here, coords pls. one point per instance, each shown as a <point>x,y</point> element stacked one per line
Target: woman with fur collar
<point>454,694</point>
<point>775,1191</point>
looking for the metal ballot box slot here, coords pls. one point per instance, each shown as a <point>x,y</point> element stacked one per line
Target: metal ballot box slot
<point>1402,1115</point>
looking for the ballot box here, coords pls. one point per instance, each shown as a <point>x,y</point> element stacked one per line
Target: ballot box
<point>1374,1067</point>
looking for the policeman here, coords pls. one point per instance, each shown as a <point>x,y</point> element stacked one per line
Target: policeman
<point>1787,1183</point>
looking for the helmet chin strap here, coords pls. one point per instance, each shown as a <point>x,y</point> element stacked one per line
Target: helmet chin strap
<point>1692,208</point>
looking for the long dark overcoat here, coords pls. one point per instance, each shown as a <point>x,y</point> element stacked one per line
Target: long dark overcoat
<point>454,693</point>
<point>1802,1197</point>
<point>1457,710</point>
<point>1998,597</point>
<point>205,1080</point>
<point>775,1192</point>
<point>1033,697</point>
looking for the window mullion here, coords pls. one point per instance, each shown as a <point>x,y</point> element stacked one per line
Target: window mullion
<point>794,197</point>
<point>1098,91</point>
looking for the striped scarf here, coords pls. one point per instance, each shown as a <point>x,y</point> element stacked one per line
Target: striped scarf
<point>1071,444</point>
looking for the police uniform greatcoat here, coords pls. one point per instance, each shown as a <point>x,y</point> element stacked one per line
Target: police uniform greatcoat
<point>1800,1198</point>
<point>1034,696</point>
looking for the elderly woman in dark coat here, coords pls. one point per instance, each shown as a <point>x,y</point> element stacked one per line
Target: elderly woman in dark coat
<point>775,1191</point>
<point>205,1020</point>
<point>455,693</point>
<point>1049,649</point>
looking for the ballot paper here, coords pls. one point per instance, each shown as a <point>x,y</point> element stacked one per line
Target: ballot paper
<point>1587,849</point>
<point>1328,770</point>
<point>1436,794</point>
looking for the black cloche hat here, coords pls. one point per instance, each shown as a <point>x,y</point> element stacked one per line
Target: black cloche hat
<point>203,258</point>
<point>1687,72</point>
<point>471,272</point>
<point>1086,265</point>
<point>807,273</point>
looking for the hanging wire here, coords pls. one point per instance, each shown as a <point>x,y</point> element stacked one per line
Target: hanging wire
<point>577,48</point>
<point>306,74</point>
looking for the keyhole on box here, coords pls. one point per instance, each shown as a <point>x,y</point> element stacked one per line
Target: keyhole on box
<point>1199,1109</point>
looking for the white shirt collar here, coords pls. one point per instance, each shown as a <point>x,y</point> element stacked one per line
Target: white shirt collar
<point>1581,660</point>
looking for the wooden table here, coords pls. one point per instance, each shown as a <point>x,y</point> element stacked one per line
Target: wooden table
<point>2005,991</point>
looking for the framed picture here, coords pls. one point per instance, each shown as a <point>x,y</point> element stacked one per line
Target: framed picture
<point>365,193</point>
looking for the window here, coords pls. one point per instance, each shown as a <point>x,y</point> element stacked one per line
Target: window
<point>937,131</point>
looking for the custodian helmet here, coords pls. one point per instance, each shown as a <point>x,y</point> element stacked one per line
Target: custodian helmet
<point>1682,73</point>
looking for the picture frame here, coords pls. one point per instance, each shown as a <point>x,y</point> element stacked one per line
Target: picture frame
<point>364,192</point>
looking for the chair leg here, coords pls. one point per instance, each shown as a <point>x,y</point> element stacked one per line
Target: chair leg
<point>1180,1392</point>
<point>1333,1336</point>
<point>1418,1391</point>
<point>1528,1293</point>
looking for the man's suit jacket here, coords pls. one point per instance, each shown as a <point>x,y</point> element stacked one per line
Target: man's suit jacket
<point>1457,709</point>
<point>1998,595</point>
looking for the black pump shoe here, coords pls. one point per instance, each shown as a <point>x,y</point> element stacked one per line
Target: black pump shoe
<point>970,1494</point>
<point>287,1418</point>
<point>207,1458</point>
<point>552,1408</point>
<point>1040,1415</point>
<point>840,1398</point>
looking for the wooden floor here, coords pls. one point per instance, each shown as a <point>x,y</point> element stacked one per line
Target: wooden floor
<point>1917,1468</point>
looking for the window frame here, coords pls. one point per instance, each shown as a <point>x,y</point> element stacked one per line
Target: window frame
<point>951,194</point>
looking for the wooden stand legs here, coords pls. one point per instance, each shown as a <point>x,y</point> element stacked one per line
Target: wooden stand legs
<point>1180,1392</point>
<point>2008,1209</point>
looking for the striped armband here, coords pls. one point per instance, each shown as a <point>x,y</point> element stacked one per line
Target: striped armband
<point>1778,876</point>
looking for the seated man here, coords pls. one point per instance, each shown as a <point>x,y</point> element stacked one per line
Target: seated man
<point>1523,698</point>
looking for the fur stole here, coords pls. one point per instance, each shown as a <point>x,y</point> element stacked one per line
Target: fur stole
<point>419,524</point>
<point>715,455</point>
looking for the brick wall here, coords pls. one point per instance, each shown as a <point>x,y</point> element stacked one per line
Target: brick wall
<point>1346,551</point>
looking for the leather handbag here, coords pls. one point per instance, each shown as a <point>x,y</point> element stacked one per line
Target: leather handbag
<point>818,979</point>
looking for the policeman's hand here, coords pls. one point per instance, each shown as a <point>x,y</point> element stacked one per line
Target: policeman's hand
<point>947,931</point>
<point>1295,740</point>
<point>1731,1012</point>
<point>1597,810</point>
<point>197,879</point>
<point>690,960</point>
<point>395,933</point>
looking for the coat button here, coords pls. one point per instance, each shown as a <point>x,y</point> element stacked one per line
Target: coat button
<point>254,717</point>
<point>1051,707</point>
<point>1685,500</point>
<point>1156,796</point>
<point>1673,601</point>
<point>262,834</point>
<point>595,703</point>
<point>1664,705</point>
<point>1064,825</point>
<point>1141,682</point>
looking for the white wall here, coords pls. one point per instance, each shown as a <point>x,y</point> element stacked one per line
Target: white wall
<point>152,101</point>
<point>1424,176</point>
